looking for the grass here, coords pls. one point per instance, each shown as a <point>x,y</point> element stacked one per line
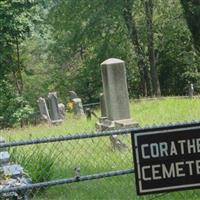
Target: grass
<point>96,155</point>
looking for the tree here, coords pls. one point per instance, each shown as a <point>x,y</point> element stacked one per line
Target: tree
<point>192,14</point>
<point>105,19</point>
<point>149,10</point>
<point>14,27</point>
<point>145,81</point>
<point>177,60</point>
<point>76,36</point>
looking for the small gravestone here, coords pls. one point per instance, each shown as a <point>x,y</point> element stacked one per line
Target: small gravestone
<point>43,109</point>
<point>78,107</point>
<point>73,95</point>
<point>53,107</point>
<point>61,108</point>
<point>191,90</point>
<point>116,99</point>
<point>77,104</point>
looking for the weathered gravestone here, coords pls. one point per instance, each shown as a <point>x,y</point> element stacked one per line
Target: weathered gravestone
<point>53,107</point>
<point>73,95</point>
<point>115,95</point>
<point>78,107</point>
<point>116,99</point>
<point>61,109</point>
<point>191,90</point>
<point>115,89</point>
<point>77,104</point>
<point>44,110</point>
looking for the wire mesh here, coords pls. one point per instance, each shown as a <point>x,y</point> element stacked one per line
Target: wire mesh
<point>74,158</point>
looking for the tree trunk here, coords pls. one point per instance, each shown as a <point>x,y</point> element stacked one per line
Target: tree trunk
<point>17,85</point>
<point>192,14</point>
<point>18,74</point>
<point>145,83</point>
<point>148,5</point>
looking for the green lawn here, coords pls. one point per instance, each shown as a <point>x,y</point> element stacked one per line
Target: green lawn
<point>58,160</point>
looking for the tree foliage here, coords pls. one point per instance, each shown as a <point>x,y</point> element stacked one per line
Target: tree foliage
<point>153,39</point>
<point>49,45</point>
<point>14,28</point>
<point>192,15</point>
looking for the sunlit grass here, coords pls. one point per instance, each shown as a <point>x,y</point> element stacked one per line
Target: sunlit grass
<point>165,111</point>
<point>145,112</point>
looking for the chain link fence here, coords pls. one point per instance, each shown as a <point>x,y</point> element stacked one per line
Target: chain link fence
<point>79,166</point>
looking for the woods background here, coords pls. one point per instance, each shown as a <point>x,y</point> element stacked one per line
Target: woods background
<point>58,45</point>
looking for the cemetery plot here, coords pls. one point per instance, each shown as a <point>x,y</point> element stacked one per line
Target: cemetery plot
<point>167,160</point>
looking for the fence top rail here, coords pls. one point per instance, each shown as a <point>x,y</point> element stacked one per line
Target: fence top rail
<point>99,134</point>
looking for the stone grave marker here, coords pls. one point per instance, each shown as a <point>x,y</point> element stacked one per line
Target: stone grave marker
<point>115,95</point>
<point>115,89</point>
<point>78,107</point>
<point>53,107</point>
<point>73,95</point>
<point>61,109</point>
<point>116,98</point>
<point>191,90</point>
<point>43,109</point>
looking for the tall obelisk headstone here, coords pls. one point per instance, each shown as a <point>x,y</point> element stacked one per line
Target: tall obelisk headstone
<point>116,95</point>
<point>115,89</point>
